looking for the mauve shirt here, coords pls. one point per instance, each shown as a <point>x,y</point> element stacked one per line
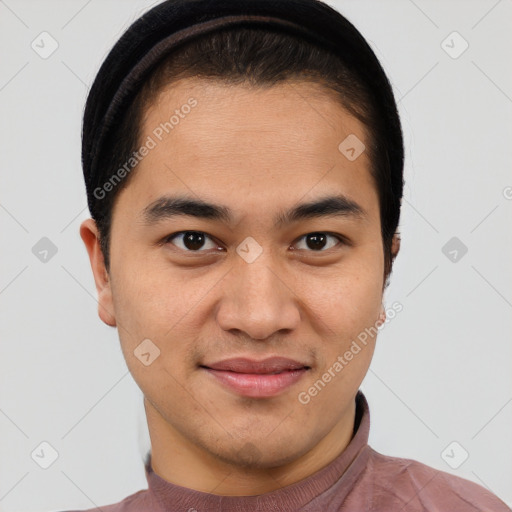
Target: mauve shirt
<point>359,479</point>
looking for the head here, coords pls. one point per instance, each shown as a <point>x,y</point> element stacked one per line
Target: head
<point>260,220</point>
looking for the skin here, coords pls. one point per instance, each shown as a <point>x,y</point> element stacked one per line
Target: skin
<point>258,152</point>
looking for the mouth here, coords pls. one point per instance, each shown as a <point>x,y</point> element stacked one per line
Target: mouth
<point>257,379</point>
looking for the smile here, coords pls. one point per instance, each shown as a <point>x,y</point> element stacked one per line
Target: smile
<point>257,379</point>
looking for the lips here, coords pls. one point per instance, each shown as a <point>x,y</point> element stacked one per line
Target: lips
<point>257,379</point>
<point>267,366</point>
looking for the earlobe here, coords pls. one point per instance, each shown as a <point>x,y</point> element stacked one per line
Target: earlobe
<point>90,236</point>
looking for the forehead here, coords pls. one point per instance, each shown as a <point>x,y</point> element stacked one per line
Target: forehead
<point>265,143</point>
<point>299,112</point>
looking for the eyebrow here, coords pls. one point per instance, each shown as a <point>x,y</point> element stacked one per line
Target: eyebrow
<point>167,207</point>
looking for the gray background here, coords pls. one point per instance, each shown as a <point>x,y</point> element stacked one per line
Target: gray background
<point>442,368</point>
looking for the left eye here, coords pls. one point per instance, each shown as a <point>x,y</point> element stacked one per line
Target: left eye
<point>319,241</point>
<point>197,241</point>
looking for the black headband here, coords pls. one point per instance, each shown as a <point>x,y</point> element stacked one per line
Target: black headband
<point>174,22</point>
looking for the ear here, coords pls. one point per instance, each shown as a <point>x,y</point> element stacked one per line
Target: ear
<point>90,236</point>
<point>395,245</point>
<point>395,248</point>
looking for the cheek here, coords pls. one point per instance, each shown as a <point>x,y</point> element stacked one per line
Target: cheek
<point>350,299</point>
<point>348,307</point>
<point>167,307</point>
<point>149,296</point>
<point>155,333</point>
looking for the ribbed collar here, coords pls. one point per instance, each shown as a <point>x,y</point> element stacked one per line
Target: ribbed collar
<point>341,473</point>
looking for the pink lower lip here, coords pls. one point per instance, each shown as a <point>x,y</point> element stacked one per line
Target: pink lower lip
<point>257,385</point>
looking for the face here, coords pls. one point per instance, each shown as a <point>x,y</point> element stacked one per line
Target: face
<point>257,273</point>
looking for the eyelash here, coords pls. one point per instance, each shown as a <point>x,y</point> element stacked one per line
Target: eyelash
<point>341,240</point>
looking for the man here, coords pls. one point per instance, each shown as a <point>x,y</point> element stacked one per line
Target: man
<point>243,163</point>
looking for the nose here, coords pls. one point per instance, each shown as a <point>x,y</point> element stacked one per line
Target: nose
<point>257,300</point>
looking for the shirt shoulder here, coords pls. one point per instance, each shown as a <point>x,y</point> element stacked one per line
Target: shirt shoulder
<point>131,503</point>
<point>418,487</point>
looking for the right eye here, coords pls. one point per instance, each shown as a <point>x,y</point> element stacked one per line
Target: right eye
<point>190,241</point>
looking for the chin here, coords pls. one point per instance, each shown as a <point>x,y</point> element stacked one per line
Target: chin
<point>258,454</point>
